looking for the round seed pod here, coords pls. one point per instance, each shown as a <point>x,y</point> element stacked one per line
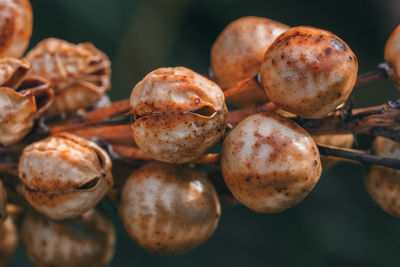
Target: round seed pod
<point>179,114</point>
<point>269,163</point>
<point>88,240</point>
<point>338,140</point>
<point>64,175</point>
<point>79,74</point>
<point>16,27</point>
<point>309,71</point>
<point>238,52</point>
<point>22,100</point>
<point>8,241</point>
<point>383,184</point>
<point>168,208</point>
<point>392,56</point>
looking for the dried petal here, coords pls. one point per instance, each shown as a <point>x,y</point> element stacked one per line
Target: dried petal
<point>179,114</point>
<point>269,163</point>
<point>79,74</point>
<point>238,52</point>
<point>392,56</point>
<point>169,208</point>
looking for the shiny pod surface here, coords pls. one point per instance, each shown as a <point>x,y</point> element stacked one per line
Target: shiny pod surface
<point>392,56</point>
<point>64,175</point>
<point>16,21</point>
<point>169,208</point>
<point>383,184</point>
<point>309,71</point>
<point>179,114</point>
<point>88,240</point>
<point>269,163</point>
<point>238,52</point>
<point>78,73</point>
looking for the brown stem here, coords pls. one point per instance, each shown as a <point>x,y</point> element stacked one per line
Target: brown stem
<point>108,111</point>
<point>241,87</point>
<point>236,116</point>
<point>380,72</point>
<point>114,134</point>
<point>9,168</point>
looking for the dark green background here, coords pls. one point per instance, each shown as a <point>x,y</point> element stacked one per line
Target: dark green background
<point>338,224</point>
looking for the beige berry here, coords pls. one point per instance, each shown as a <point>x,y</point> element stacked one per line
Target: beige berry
<point>79,74</point>
<point>169,208</point>
<point>392,56</point>
<point>309,71</point>
<point>8,241</point>
<point>383,184</point>
<point>179,114</point>
<point>16,22</point>
<point>238,52</point>
<point>88,240</point>
<point>337,140</point>
<point>64,175</point>
<point>269,163</point>
<point>22,100</point>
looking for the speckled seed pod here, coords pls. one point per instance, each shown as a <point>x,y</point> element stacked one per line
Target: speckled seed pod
<point>383,184</point>
<point>8,241</point>
<point>269,163</point>
<point>64,175</point>
<point>22,100</point>
<point>169,208</point>
<point>79,74</point>
<point>309,71</point>
<point>88,240</point>
<point>238,52</point>
<point>179,114</point>
<point>338,140</point>
<point>16,21</point>
<point>392,56</point>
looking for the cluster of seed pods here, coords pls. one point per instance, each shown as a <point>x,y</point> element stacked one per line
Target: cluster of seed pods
<point>268,162</point>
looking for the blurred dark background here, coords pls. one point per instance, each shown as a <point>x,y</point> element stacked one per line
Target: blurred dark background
<point>338,224</point>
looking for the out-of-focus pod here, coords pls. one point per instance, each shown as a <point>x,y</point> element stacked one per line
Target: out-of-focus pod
<point>169,208</point>
<point>88,240</point>
<point>22,99</point>
<point>8,241</point>
<point>179,114</point>
<point>392,56</point>
<point>64,175</point>
<point>383,184</point>
<point>16,21</point>
<point>238,52</point>
<point>79,74</point>
<point>270,163</point>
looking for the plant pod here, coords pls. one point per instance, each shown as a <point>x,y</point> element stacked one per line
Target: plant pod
<point>88,240</point>
<point>309,71</point>
<point>22,100</point>
<point>3,203</point>
<point>337,140</point>
<point>16,27</point>
<point>179,114</point>
<point>8,241</point>
<point>79,74</point>
<point>383,184</point>
<point>392,56</point>
<point>238,52</point>
<point>169,208</point>
<point>64,175</point>
<point>269,163</point>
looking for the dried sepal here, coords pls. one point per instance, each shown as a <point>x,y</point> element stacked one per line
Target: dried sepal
<point>79,74</point>
<point>309,71</point>
<point>169,208</point>
<point>179,114</point>
<point>22,99</point>
<point>238,52</point>
<point>16,21</point>
<point>64,175</point>
<point>269,163</point>
<point>392,56</point>
<point>88,240</point>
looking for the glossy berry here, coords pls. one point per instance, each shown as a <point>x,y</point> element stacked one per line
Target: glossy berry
<point>309,71</point>
<point>269,163</point>
<point>238,52</point>
<point>179,114</point>
<point>169,208</point>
